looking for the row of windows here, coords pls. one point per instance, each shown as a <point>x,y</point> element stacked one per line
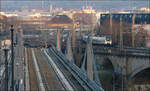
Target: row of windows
<point>139,19</point>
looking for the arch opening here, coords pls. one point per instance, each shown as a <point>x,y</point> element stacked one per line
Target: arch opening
<point>106,73</point>
<point>107,65</point>
<point>141,80</point>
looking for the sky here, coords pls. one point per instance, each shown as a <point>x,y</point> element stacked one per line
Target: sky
<point>11,5</point>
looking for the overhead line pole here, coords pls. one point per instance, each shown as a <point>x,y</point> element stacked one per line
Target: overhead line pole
<point>121,36</point>
<point>133,31</point>
<point>111,25</point>
<point>12,57</point>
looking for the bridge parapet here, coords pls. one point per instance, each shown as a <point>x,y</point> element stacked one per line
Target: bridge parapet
<point>129,64</point>
<point>123,52</point>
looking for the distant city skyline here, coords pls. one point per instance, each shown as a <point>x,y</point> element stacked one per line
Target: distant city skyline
<point>103,5</point>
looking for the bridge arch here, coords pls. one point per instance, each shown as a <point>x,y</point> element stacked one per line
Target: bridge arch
<point>107,64</point>
<point>140,69</point>
<point>106,73</point>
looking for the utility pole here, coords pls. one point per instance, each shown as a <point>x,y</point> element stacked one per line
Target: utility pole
<point>73,34</point>
<point>111,24</point>
<point>1,27</point>
<point>42,4</point>
<point>80,27</point>
<point>74,42</point>
<point>6,68</point>
<point>133,32</point>
<point>58,40</point>
<point>92,26</point>
<point>12,56</point>
<point>121,36</point>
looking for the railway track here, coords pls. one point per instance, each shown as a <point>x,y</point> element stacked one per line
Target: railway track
<point>77,79</point>
<point>50,80</point>
<point>34,86</point>
<point>44,76</point>
<point>48,77</point>
<point>70,78</point>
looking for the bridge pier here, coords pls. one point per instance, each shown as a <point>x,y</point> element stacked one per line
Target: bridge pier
<point>69,53</point>
<point>127,67</point>
<point>88,64</point>
<point>58,40</point>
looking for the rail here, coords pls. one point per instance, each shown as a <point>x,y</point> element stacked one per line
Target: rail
<point>37,68</point>
<point>59,73</point>
<point>45,83</point>
<point>79,75</point>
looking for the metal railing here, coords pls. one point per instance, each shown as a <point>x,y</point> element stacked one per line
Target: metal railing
<point>122,53</point>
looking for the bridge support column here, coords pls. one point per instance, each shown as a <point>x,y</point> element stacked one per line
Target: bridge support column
<point>69,53</point>
<point>89,63</point>
<point>128,68</point>
<point>133,31</point>
<point>121,34</point>
<point>58,40</point>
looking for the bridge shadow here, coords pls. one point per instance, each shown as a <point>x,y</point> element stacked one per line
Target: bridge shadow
<point>110,79</point>
<point>106,73</point>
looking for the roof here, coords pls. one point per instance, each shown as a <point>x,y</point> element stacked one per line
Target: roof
<point>60,20</point>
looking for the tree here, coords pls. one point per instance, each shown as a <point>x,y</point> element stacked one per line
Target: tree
<point>126,30</point>
<point>140,37</point>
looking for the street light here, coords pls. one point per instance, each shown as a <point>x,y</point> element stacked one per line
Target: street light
<point>12,57</point>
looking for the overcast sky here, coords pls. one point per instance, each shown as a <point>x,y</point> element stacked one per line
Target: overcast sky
<point>9,5</point>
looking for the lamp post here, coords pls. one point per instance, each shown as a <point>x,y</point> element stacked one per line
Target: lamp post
<point>12,56</point>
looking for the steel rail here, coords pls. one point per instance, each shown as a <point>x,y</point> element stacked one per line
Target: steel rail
<point>76,72</point>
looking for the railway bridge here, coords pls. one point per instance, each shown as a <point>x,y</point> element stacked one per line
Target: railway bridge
<point>133,65</point>
<point>128,62</point>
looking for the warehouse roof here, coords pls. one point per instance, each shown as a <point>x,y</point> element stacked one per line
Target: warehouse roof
<point>61,19</point>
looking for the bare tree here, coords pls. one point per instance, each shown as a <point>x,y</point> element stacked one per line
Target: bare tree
<point>140,37</point>
<point>126,29</point>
